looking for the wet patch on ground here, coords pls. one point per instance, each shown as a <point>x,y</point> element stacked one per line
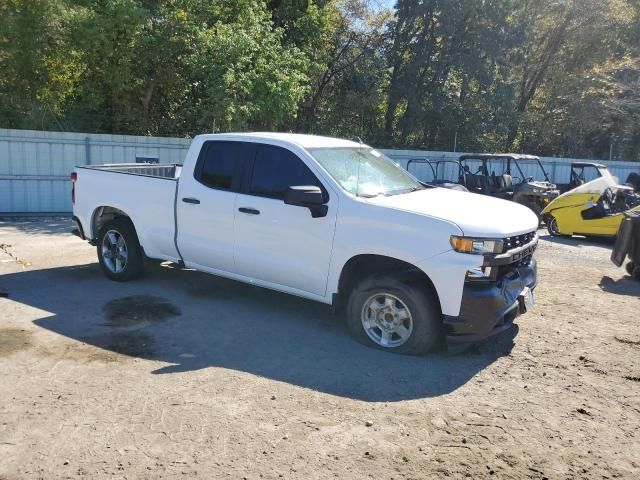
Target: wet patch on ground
<point>14,340</point>
<point>138,311</point>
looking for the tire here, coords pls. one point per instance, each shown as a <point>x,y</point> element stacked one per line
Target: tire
<point>368,303</point>
<point>119,252</point>
<point>552,226</point>
<point>633,270</point>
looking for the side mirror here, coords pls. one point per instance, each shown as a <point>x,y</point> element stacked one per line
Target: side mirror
<point>308,196</point>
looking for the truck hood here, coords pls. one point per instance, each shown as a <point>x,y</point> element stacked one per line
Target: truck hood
<point>476,215</point>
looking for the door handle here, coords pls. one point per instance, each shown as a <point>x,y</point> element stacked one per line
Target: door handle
<point>250,211</point>
<point>195,201</point>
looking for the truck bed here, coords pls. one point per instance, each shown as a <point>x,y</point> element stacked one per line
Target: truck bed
<point>145,192</point>
<point>169,171</point>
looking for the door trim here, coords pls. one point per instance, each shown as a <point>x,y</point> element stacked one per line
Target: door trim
<point>260,283</point>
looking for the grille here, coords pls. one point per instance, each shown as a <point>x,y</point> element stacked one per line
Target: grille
<point>504,270</point>
<point>523,262</point>
<point>516,241</point>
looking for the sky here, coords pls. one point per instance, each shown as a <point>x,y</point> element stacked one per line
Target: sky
<point>382,3</point>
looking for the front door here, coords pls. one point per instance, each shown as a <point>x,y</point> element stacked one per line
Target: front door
<point>278,243</point>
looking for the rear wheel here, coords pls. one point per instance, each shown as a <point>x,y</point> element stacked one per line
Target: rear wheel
<point>119,251</point>
<point>388,314</point>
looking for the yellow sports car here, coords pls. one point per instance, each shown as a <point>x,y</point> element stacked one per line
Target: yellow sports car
<point>593,208</point>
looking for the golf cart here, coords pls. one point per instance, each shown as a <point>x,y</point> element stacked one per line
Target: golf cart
<point>503,176</point>
<point>442,173</point>
<point>583,172</point>
<point>633,180</point>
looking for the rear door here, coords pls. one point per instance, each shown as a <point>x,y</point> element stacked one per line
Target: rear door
<point>206,205</point>
<point>278,243</point>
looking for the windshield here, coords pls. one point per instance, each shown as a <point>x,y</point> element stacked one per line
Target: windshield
<point>532,169</point>
<point>448,171</point>
<point>365,172</point>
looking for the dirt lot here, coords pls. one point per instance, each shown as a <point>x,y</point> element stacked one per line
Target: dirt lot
<point>180,374</point>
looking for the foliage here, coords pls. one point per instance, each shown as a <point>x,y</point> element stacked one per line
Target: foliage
<point>542,76</point>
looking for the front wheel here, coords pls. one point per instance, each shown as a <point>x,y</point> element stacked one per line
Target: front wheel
<point>388,314</point>
<point>119,251</point>
<point>552,226</point>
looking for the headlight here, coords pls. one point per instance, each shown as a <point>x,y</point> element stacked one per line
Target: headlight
<point>476,246</point>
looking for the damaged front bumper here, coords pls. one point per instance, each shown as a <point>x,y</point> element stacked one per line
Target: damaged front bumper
<point>490,306</point>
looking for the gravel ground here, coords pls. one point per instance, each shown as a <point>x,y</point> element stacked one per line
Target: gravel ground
<point>180,374</point>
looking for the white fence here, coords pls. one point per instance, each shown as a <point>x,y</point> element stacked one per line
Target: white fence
<point>35,165</point>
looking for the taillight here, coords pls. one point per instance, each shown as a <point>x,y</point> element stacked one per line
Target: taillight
<point>74,178</point>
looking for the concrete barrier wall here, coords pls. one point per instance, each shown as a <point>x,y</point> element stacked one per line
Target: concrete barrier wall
<point>35,165</point>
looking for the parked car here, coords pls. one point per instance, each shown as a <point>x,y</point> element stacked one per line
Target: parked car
<point>502,176</point>
<point>326,219</point>
<point>441,173</point>
<point>594,208</point>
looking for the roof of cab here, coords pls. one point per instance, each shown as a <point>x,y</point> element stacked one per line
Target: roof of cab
<point>304,141</point>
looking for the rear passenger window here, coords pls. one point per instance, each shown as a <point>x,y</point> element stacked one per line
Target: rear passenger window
<point>276,169</point>
<point>220,164</point>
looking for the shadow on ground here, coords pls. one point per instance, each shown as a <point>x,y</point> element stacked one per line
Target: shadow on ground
<point>191,321</point>
<point>623,286</point>
<point>48,225</point>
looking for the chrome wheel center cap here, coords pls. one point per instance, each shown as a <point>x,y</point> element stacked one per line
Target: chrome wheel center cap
<point>387,320</point>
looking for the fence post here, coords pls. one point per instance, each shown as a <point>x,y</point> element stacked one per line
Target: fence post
<point>87,151</point>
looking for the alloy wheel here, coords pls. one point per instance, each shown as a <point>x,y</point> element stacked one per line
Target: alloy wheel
<point>387,320</point>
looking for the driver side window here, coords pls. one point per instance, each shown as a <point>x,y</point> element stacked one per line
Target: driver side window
<point>275,169</point>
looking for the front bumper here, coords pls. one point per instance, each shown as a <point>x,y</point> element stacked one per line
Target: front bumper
<point>489,307</point>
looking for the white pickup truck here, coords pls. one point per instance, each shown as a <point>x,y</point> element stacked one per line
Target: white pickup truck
<point>326,219</point>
